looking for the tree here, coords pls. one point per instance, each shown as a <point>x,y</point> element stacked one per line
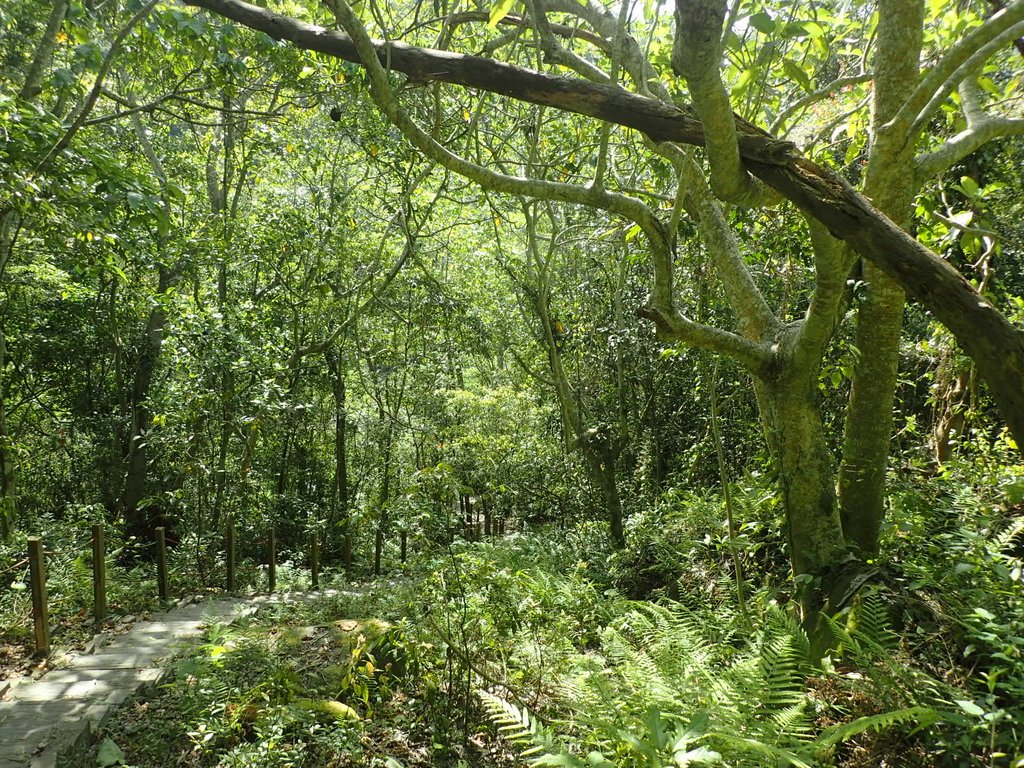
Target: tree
<point>747,164</point>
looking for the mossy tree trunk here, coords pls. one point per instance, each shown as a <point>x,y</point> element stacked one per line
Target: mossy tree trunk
<point>889,183</point>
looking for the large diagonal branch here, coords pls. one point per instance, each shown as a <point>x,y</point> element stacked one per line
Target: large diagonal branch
<point>984,333</point>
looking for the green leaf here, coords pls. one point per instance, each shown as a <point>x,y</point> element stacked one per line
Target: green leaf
<point>795,72</point>
<point>813,29</point>
<point>970,708</point>
<point>564,759</point>
<point>698,756</point>
<point>499,11</point>
<point>970,186</point>
<point>762,22</point>
<point>744,80</point>
<point>335,709</point>
<point>109,754</point>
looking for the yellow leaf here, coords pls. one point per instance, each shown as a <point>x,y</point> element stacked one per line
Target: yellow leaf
<point>335,709</point>
<point>465,115</point>
<point>62,37</point>
<point>369,667</point>
<point>499,11</point>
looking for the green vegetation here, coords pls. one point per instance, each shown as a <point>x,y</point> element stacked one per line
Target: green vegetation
<point>519,647</point>
<point>656,372</point>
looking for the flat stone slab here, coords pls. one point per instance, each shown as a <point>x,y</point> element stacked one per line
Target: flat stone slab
<point>120,658</point>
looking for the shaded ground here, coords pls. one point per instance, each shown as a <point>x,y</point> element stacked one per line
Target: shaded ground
<point>312,686</point>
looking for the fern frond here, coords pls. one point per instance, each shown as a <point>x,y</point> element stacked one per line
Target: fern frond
<point>1002,540</point>
<point>518,726</point>
<point>778,755</point>
<point>871,623</point>
<point>794,721</point>
<point>922,716</point>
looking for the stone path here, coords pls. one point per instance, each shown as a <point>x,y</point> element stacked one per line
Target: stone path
<point>46,722</point>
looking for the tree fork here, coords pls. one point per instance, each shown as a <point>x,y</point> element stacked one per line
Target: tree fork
<point>995,345</point>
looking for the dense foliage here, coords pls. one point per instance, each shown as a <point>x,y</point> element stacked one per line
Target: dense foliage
<point>639,462</point>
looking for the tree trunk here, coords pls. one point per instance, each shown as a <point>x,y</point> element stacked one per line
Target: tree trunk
<point>806,472</point>
<point>135,520</point>
<point>952,395</point>
<point>33,84</point>
<point>342,519</point>
<point>8,504</point>
<point>227,386</point>
<point>385,493</point>
<point>869,413</point>
<point>889,182</point>
<point>604,470</point>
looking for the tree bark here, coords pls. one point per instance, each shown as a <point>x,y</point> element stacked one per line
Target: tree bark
<point>889,182</point>
<point>135,519</point>
<point>984,333</point>
<point>341,510</point>
<point>807,480</point>
<point>33,84</point>
<point>8,496</point>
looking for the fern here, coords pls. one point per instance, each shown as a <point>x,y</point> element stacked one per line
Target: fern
<point>871,624</point>
<point>923,716</point>
<point>519,727</point>
<point>1002,541</point>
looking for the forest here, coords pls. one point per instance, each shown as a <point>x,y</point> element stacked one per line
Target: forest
<point>644,382</point>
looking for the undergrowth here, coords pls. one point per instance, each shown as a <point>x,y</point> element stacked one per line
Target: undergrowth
<point>525,650</point>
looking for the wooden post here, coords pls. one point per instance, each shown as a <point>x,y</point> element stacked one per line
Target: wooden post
<point>271,559</point>
<point>99,573</point>
<point>314,560</point>
<point>40,614</point>
<point>405,544</point>
<point>161,562</point>
<point>229,545</point>
<point>487,517</point>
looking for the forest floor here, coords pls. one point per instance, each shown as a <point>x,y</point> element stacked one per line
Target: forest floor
<point>317,682</point>
<point>46,718</point>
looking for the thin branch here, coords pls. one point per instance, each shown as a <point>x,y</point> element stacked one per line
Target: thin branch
<point>939,82</point>
<point>697,57</point>
<point>65,141</point>
<point>814,97</point>
<point>833,260</point>
<point>981,129</point>
<point>385,98</point>
<point>326,343</point>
